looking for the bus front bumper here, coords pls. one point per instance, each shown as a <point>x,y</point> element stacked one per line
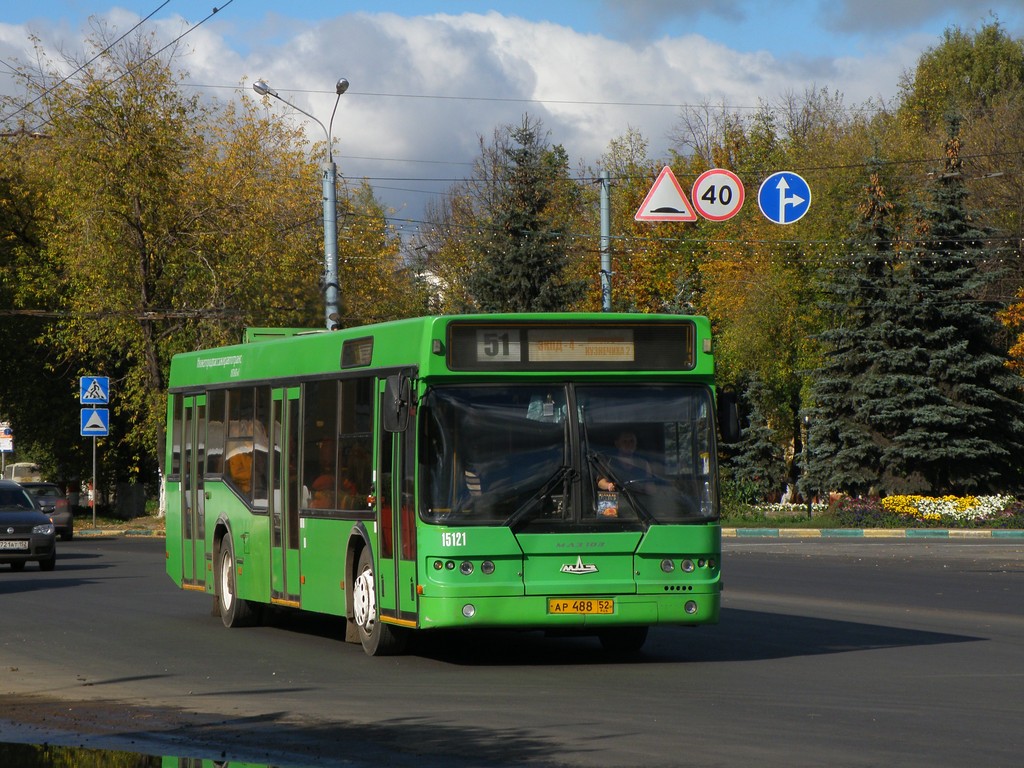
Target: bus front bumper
<point>561,612</point>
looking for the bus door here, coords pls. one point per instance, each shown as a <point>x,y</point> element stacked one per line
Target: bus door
<point>283,501</point>
<point>193,519</point>
<point>396,525</point>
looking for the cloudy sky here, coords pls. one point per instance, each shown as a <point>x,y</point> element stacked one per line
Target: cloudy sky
<point>429,78</point>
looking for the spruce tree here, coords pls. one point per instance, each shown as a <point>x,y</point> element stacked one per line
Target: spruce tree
<point>843,445</point>
<point>522,255</point>
<point>757,465</point>
<point>955,418</point>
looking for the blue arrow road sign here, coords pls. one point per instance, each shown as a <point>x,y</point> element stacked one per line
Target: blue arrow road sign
<point>784,197</point>
<point>95,422</point>
<point>94,390</point>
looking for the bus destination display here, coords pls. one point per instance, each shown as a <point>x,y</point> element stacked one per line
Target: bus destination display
<point>498,346</point>
<point>561,345</point>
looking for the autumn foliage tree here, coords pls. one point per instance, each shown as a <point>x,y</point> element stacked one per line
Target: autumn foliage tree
<point>165,224</point>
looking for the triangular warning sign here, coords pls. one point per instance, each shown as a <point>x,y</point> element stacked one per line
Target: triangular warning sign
<point>666,201</point>
<point>95,423</point>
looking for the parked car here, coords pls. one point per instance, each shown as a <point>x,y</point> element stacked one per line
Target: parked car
<point>53,501</point>
<point>25,532</point>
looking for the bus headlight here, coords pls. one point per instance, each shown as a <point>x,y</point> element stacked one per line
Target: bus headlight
<point>667,566</point>
<point>465,567</point>
<point>469,610</point>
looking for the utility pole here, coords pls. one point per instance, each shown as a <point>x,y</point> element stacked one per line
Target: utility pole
<point>606,242</point>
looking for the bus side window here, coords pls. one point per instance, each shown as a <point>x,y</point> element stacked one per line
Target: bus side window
<point>238,443</point>
<point>215,401</point>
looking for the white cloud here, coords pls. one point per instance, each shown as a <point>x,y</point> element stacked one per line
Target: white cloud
<point>423,89</point>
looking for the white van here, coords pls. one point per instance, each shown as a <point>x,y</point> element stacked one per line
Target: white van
<point>23,471</point>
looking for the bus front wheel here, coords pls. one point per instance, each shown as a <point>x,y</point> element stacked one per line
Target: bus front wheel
<point>377,639</point>
<point>234,612</point>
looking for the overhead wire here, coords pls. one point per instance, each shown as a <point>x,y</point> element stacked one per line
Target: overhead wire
<point>403,222</point>
<point>130,70</point>
<point>67,78</point>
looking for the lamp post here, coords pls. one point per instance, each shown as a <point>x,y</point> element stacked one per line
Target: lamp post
<point>807,465</point>
<point>329,178</point>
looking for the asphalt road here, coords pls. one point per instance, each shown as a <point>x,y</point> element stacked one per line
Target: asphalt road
<point>838,653</point>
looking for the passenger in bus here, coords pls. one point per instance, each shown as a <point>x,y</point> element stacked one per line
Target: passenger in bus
<point>324,489</point>
<point>358,463</point>
<point>238,454</point>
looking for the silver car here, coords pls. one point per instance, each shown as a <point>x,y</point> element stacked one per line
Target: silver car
<point>25,532</point>
<point>53,501</point>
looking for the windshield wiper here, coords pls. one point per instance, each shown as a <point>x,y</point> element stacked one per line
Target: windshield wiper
<point>603,466</point>
<point>527,508</point>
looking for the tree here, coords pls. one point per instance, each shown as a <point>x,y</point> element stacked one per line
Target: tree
<point>33,394</point>
<point>376,284</point>
<point>978,74</point>
<point>522,253</point>
<point>933,408</point>
<point>968,73</point>
<point>757,466</point>
<point>843,444</point>
<point>962,425</point>
<point>166,224</point>
<point>653,268</point>
<point>501,241</point>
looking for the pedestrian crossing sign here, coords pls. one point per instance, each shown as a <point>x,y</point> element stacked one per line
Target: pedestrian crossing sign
<point>94,390</point>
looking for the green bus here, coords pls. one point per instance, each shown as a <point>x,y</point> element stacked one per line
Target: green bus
<point>539,471</point>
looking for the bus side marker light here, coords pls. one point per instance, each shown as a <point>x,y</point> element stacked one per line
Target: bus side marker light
<point>419,589</point>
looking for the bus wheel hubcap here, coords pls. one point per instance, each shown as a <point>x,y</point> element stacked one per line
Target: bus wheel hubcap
<point>362,597</point>
<point>225,585</point>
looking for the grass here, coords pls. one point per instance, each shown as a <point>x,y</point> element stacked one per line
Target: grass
<point>105,521</point>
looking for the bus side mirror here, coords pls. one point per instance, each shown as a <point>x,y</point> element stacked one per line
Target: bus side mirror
<point>395,405</point>
<point>728,416</point>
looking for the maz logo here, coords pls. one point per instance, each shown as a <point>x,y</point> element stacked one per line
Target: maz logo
<point>579,567</point>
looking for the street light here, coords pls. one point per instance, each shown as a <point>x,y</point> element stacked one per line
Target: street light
<point>807,465</point>
<point>329,176</point>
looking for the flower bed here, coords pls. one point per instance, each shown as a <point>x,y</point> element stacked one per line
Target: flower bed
<point>929,512</point>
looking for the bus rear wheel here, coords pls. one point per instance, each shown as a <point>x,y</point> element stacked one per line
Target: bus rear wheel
<point>377,639</point>
<point>234,612</point>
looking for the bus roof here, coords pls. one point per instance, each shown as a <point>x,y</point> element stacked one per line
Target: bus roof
<point>426,343</point>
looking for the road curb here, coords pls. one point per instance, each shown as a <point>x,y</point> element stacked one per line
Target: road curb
<point>871,533</point>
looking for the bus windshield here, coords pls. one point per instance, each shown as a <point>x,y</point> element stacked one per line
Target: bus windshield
<point>568,455</point>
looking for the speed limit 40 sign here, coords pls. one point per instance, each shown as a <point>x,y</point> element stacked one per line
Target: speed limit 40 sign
<point>717,194</point>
